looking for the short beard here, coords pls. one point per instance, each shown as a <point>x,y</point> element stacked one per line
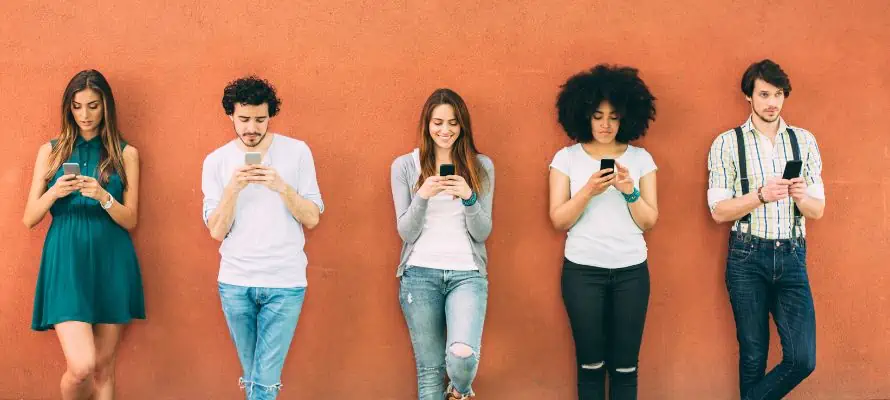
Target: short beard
<point>762,118</point>
<point>263,137</point>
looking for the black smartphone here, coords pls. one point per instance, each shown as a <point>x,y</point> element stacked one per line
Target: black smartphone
<point>792,169</point>
<point>446,169</point>
<point>607,163</point>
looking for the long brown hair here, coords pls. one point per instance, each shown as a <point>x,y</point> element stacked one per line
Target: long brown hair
<point>111,159</point>
<point>463,152</point>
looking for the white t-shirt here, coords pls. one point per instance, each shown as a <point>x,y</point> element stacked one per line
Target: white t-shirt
<point>264,248</point>
<point>605,234</point>
<point>444,242</point>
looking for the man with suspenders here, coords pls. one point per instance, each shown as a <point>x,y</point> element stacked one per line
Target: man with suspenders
<point>766,269</point>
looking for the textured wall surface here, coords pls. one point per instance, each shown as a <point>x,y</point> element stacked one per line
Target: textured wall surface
<point>353,76</point>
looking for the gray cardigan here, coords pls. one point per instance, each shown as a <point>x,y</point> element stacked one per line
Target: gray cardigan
<point>411,209</point>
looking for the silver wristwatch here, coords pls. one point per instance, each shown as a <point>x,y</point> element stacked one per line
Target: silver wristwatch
<point>106,205</point>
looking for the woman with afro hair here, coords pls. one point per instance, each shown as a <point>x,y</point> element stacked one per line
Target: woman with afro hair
<point>602,191</point>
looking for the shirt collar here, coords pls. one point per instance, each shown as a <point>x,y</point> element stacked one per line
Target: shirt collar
<point>748,126</point>
<point>95,142</point>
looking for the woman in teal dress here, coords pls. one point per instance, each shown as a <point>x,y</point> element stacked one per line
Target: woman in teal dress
<point>89,285</point>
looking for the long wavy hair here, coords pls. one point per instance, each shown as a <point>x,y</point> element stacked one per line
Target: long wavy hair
<point>463,152</point>
<point>111,159</point>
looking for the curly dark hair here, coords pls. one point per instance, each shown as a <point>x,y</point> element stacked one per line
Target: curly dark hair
<point>250,90</point>
<point>621,87</point>
<point>770,72</point>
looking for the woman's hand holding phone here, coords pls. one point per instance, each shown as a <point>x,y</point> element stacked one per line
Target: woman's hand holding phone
<point>456,185</point>
<point>600,181</point>
<point>65,185</point>
<point>431,187</point>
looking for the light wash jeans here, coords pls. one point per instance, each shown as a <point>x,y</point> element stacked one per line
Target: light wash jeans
<point>262,323</point>
<point>444,310</point>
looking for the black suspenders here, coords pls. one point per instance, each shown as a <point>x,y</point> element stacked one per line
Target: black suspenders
<point>795,152</point>
<point>743,168</point>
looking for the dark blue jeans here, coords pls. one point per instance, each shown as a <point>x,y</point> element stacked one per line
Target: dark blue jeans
<point>766,277</point>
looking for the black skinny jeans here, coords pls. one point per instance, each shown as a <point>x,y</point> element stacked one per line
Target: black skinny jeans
<point>607,311</point>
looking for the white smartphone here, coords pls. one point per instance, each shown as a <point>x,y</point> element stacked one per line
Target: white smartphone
<point>70,168</point>
<point>252,158</point>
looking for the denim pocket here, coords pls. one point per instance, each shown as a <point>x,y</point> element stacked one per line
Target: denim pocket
<point>739,253</point>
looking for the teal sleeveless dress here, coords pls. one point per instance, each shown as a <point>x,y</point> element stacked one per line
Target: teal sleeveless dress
<point>89,271</point>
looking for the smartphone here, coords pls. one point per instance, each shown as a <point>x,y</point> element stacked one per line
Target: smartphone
<point>252,157</point>
<point>446,169</point>
<point>69,168</point>
<point>792,169</point>
<point>607,163</point>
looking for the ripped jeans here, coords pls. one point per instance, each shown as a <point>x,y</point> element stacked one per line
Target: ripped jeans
<point>445,311</point>
<point>607,311</point>
<point>261,322</point>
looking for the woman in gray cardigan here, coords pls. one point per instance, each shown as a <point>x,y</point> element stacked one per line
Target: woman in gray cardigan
<point>443,194</point>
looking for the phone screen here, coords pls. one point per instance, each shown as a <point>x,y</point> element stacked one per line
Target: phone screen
<point>251,158</point>
<point>71,168</point>
<point>792,169</point>
<point>446,169</point>
<point>607,163</point>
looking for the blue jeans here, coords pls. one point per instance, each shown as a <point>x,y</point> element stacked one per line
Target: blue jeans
<point>262,323</point>
<point>444,309</point>
<point>766,277</point>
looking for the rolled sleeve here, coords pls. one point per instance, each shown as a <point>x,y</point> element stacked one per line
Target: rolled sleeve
<point>717,195</point>
<point>812,171</point>
<point>212,188</point>
<point>721,171</point>
<point>307,186</point>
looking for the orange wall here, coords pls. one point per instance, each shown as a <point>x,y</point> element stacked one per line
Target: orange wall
<point>353,76</point>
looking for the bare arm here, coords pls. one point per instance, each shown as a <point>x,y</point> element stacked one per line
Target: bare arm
<point>731,210</point>
<point>303,210</point>
<point>39,198</point>
<point>125,213</point>
<point>811,207</point>
<point>808,191</point>
<point>565,209</point>
<point>645,210</point>
<point>222,215</point>
<point>220,220</point>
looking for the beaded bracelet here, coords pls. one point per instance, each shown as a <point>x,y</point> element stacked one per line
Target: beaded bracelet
<point>470,201</point>
<point>634,196</point>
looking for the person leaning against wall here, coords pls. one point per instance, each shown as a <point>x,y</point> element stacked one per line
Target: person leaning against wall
<point>766,178</point>
<point>603,192</point>
<point>89,286</point>
<point>260,191</point>
<point>443,195</point>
